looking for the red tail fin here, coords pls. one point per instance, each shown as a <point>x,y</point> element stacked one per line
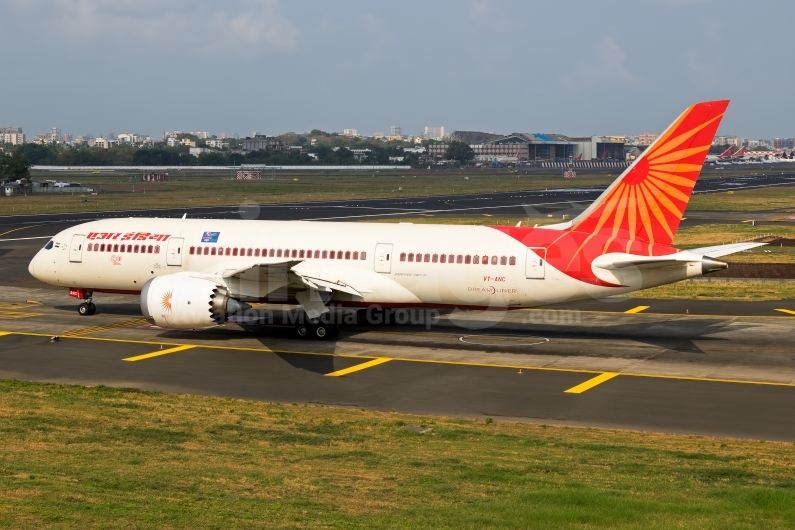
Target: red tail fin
<point>648,199</point>
<point>727,153</point>
<point>742,151</point>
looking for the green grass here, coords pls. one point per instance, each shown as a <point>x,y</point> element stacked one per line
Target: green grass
<point>745,200</point>
<point>735,290</point>
<point>76,457</point>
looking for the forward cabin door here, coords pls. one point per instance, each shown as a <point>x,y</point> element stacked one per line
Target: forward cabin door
<point>174,251</point>
<point>383,257</point>
<point>536,263</point>
<point>76,249</point>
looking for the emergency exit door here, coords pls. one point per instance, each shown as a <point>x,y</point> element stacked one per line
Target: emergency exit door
<point>535,264</point>
<point>383,257</point>
<point>174,251</point>
<point>76,249</point>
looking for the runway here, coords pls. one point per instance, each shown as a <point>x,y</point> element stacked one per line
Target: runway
<point>536,204</point>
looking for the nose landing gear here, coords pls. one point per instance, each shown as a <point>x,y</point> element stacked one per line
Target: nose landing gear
<point>86,308</point>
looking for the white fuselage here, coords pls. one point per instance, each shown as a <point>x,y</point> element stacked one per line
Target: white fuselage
<point>492,271</point>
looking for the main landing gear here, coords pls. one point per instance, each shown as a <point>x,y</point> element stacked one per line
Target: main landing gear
<point>316,329</point>
<point>86,308</point>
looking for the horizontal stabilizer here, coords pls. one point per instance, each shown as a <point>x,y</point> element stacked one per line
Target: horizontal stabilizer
<point>724,250</point>
<point>618,260</point>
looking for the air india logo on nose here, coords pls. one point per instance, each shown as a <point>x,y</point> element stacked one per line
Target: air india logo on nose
<point>165,301</point>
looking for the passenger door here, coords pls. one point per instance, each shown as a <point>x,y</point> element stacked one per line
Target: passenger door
<point>76,249</point>
<point>174,251</point>
<point>535,264</point>
<point>383,257</point>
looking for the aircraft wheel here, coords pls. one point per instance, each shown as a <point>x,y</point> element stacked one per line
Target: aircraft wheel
<point>91,308</point>
<point>321,332</point>
<point>83,309</point>
<point>302,330</point>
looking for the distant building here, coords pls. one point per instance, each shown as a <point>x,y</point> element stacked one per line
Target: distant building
<point>646,138</point>
<point>350,132</point>
<point>433,133</point>
<point>395,130</point>
<point>726,140</point>
<point>201,135</point>
<point>188,142</point>
<point>259,142</point>
<point>172,141</point>
<point>378,135</point>
<point>217,143</point>
<point>12,135</point>
<point>783,143</point>
<point>360,154</point>
<point>196,151</point>
<point>105,143</point>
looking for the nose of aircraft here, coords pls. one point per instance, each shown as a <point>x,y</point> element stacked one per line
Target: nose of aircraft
<point>32,268</point>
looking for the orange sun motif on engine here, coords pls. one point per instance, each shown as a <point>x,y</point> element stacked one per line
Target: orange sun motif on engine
<point>165,301</point>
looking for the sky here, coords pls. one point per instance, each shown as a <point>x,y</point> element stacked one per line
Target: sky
<point>239,66</point>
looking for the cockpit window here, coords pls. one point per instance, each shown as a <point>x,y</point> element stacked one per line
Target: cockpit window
<point>49,245</point>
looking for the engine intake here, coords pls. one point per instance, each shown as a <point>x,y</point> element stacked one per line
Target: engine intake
<point>184,302</point>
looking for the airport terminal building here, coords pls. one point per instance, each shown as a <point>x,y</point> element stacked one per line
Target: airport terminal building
<point>526,147</point>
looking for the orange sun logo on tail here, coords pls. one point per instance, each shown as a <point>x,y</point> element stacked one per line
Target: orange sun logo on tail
<point>165,301</point>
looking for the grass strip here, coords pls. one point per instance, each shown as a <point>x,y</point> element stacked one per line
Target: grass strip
<point>94,457</point>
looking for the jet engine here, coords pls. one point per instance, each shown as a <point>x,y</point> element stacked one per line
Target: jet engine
<point>185,302</point>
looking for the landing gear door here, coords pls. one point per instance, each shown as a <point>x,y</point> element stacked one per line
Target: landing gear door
<point>536,263</point>
<point>76,248</point>
<point>383,257</point>
<point>174,251</point>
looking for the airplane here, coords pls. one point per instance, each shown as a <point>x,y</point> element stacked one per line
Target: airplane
<point>196,273</point>
<point>725,156</point>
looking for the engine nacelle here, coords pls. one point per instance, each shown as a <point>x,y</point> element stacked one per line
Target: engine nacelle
<point>183,302</point>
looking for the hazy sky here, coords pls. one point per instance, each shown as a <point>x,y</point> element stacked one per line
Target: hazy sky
<point>573,67</point>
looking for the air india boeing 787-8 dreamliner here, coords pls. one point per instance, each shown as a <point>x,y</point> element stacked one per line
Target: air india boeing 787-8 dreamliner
<point>194,273</point>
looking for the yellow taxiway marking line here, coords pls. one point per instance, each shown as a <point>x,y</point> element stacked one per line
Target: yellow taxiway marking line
<point>360,366</point>
<point>788,311</point>
<point>636,309</point>
<point>3,333</point>
<point>415,360</point>
<point>15,229</point>
<point>103,327</point>
<point>158,353</point>
<point>589,384</point>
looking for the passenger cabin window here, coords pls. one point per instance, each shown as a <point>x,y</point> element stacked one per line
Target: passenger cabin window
<point>494,260</point>
<point>402,256</point>
<point>435,258</point>
<point>356,255</point>
<point>475,259</point>
<point>347,254</point>
<point>443,258</point>
<point>503,261</point>
<point>512,260</point>
<point>317,254</point>
<point>411,256</point>
<point>325,254</point>
<point>427,258</point>
<point>363,255</point>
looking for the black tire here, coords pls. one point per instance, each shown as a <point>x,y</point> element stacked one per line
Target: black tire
<point>83,310</point>
<point>302,330</point>
<point>91,308</point>
<point>321,332</point>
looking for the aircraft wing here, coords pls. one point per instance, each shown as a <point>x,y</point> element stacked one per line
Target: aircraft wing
<point>724,250</point>
<point>314,289</point>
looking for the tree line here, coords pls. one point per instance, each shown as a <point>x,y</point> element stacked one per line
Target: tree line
<point>49,155</point>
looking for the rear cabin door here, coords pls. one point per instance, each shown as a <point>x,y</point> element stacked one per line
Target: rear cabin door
<point>174,251</point>
<point>383,257</point>
<point>76,248</point>
<point>536,263</point>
